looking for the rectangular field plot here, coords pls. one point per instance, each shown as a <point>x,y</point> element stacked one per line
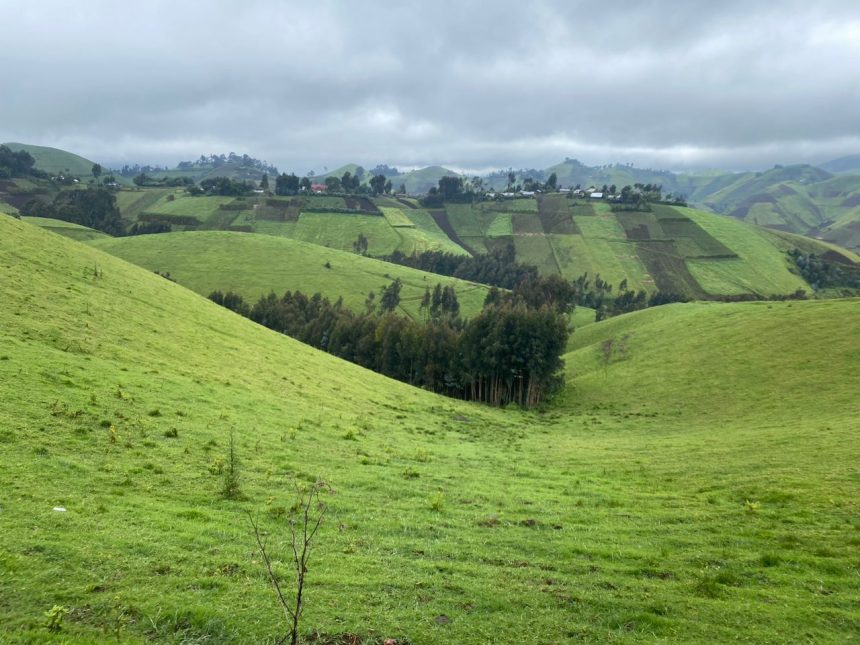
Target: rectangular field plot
<point>600,226</point>
<point>340,231</point>
<point>526,223</point>
<point>466,220</point>
<point>614,261</point>
<point>500,226</point>
<point>639,225</point>
<point>395,217</point>
<point>668,268</point>
<point>554,215</point>
<point>692,240</point>
<point>536,250</point>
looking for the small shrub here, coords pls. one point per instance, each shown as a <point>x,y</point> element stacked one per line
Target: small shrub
<point>231,489</point>
<point>55,617</point>
<point>410,473</point>
<point>154,413</point>
<point>216,466</point>
<point>436,501</point>
<point>173,433</point>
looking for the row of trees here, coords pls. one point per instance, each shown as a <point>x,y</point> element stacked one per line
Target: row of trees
<point>15,164</point>
<point>822,274</point>
<point>508,353</point>
<point>498,268</point>
<point>93,207</point>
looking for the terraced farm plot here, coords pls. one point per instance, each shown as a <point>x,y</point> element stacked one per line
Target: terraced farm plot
<point>132,203</point>
<point>536,249</point>
<point>340,231</point>
<point>762,267</point>
<point>500,226</point>
<point>200,207</point>
<point>524,205</point>
<point>322,201</point>
<point>468,220</point>
<point>428,234</point>
<point>396,218</point>
<point>640,225</point>
<point>600,227</point>
<point>526,224</point>
<point>668,268</point>
<point>554,215</point>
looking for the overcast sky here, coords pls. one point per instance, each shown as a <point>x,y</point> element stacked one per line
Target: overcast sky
<point>471,85</point>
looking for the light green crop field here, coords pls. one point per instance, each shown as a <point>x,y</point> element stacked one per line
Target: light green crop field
<point>700,485</point>
<point>68,229</point>
<point>395,217</point>
<point>200,207</point>
<point>254,265</point>
<point>761,266</point>
<point>340,231</point>
<point>132,203</point>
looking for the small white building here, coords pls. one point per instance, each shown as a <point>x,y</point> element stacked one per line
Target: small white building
<point>596,195</point>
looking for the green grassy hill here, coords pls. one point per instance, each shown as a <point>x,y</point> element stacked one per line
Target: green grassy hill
<point>55,161</point>
<point>67,229</point>
<point>254,265</point>
<point>617,513</point>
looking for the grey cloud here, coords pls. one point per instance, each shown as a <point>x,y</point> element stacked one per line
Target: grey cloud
<point>672,84</point>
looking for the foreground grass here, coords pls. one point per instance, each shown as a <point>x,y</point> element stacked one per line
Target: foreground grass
<point>609,516</point>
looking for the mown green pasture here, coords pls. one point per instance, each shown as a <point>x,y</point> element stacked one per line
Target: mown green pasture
<point>698,485</point>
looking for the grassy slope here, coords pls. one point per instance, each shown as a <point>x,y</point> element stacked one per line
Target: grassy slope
<point>700,488</point>
<point>254,265</point>
<point>54,160</point>
<point>68,229</point>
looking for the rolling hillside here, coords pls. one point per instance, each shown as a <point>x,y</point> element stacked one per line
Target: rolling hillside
<point>647,504</point>
<point>55,161</point>
<point>670,249</point>
<point>67,229</point>
<point>254,265</point>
